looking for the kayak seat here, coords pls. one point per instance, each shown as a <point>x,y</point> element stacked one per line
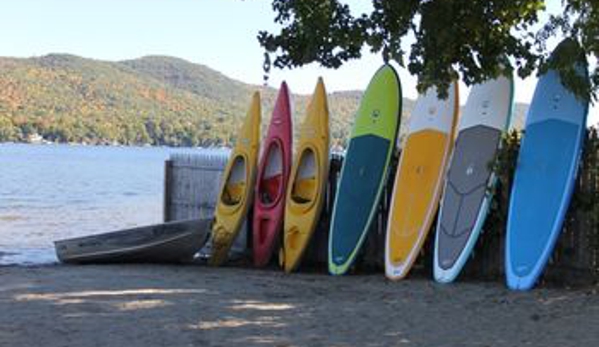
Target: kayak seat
<point>269,188</point>
<point>304,190</point>
<point>233,193</point>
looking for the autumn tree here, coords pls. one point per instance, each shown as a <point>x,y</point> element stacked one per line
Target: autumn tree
<point>471,39</point>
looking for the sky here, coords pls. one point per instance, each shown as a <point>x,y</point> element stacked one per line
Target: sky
<point>218,33</point>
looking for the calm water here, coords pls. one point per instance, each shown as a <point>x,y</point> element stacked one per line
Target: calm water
<point>49,192</point>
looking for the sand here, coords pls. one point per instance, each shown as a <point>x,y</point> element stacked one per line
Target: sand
<point>173,306</point>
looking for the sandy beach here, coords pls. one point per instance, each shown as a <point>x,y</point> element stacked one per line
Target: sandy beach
<point>150,305</point>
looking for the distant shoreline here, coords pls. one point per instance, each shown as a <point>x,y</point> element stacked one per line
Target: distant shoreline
<point>83,144</point>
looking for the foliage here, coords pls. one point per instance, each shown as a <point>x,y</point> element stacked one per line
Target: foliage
<point>152,100</point>
<point>467,38</point>
<point>584,210</point>
<point>504,168</point>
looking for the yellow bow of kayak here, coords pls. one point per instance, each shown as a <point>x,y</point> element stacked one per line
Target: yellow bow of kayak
<point>309,174</point>
<point>237,185</point>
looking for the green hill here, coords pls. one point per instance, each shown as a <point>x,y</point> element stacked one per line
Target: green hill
<point>152,100</point>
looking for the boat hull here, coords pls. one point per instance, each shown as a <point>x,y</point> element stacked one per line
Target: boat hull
<point>172,242</point>
<point>271,185</point>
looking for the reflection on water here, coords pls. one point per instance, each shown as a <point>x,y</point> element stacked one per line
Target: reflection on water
<point>50,192</point>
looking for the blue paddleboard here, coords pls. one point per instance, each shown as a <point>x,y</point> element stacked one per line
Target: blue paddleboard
<point>545,176</point>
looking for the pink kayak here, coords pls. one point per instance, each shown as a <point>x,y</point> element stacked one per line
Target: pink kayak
<point>273,176</point>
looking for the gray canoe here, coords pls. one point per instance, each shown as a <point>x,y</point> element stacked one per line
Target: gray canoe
<point>171,242</point>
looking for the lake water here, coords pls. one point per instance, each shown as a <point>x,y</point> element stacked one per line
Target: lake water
<point>50,192</point>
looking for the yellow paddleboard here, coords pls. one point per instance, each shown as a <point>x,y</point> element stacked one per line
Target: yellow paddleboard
<point>309,174</point>
<point>237,185</point>
<point>419,180</point>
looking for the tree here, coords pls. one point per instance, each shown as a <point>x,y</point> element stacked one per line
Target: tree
<point>471,39</point>
<point>8,132</point>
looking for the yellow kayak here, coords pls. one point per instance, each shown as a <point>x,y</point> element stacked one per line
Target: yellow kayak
<point>419,180</point>
<point>238,185</point>
<point>309,174</point>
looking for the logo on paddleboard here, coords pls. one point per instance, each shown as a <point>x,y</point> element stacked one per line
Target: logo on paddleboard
<point>556,100</point>
<point>470,170</point>
<point>485,105</point>
<point>432,112</point>
<point>375,115</point>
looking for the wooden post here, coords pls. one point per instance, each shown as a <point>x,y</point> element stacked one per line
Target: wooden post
<point>168,196</point>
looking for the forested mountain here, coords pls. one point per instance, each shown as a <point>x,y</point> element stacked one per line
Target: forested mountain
<point>152,100</point>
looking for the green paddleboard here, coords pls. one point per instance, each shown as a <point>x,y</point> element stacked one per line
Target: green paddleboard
<point>365,168</point>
